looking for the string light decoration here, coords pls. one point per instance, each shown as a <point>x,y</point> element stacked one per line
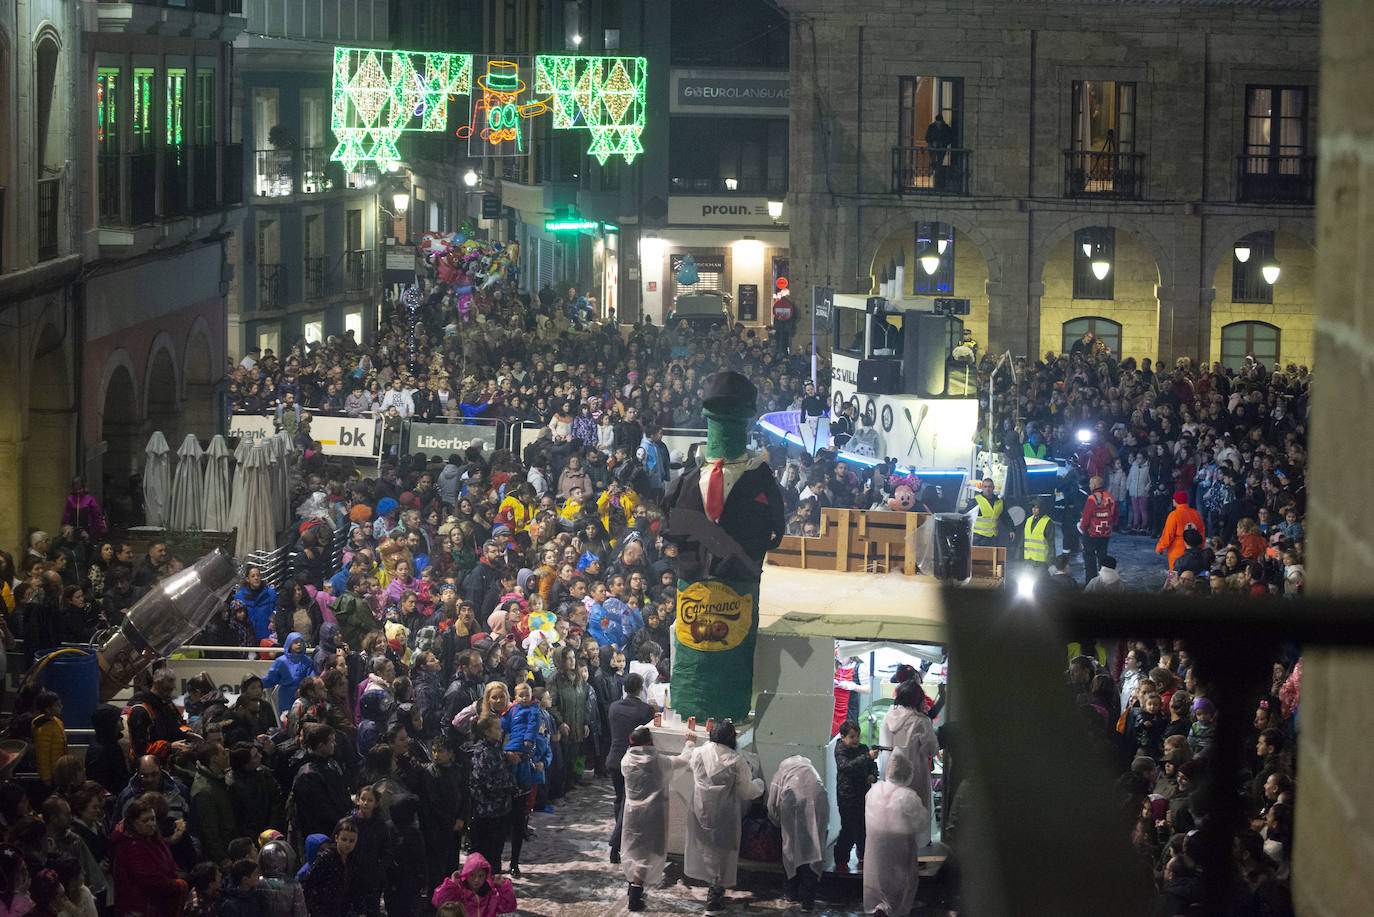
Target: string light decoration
<point>604,95</point>
<point>378,95</point>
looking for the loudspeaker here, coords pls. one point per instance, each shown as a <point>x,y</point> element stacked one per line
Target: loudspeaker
<point>880,377</point>
<point>925,347</point>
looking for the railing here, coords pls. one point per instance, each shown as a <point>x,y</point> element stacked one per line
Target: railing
<point>1104,174</point>
<point>109,188</point>
<point>271,286</point>
<point>233,173</point>
<point>49,216</point>
<point>1268,179</point>
<point>174,172</point>
<point>757,186</point>
<point>358,270</point>
<point>314,171</point>
<point>206,175</point>
<point>316,278</point>
<point>142,187</point>
<point>274,173</point>
<point>929,170</point>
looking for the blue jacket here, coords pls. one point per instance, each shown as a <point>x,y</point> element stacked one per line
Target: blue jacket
<point>260,607</point>
<point>287,673</point>
<point>528,738</point>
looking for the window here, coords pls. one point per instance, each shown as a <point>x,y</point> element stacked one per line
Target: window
<point>1095,243</point>
<point>1257,339</point>
<point>314,118</point>
<point>353,321</point>
<point>730,155</point>
<point>849,329</point>
<point>1103,329</point>
<point>937,239</point>
<point>313,327</point>
<point>1275,127</point>
<point>176,107</point>
<point>269,339</point>
<point>1247,277</point>
<point>107,110</point>
<point>205,107</point>
<point>1103,116</point>
<point>141,121</point>
<point>921,100</point>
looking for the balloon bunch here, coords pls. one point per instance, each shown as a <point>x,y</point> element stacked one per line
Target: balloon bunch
<point>469,267</point>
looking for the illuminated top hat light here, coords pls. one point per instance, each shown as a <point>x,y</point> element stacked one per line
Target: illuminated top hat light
<point>502,78</point>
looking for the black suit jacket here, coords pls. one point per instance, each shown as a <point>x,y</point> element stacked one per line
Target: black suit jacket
<point>625,715</point>
<point>753,516</point>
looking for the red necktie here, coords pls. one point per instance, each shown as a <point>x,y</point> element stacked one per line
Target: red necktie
<point>715,491</point>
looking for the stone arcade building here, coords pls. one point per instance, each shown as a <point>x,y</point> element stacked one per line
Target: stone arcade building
<point>1157,138</point>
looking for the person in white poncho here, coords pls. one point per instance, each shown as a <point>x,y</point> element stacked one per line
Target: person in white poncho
<point>898,825</point>
<point>798,803</point>
<point>723,784</point>
<point>907,729</point>
<point>644,835</point>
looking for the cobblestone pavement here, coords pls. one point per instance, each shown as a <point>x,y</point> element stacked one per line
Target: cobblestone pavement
<point>566,873</point>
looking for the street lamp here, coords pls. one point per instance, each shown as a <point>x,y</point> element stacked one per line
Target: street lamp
<point>1100,265</point>
<point>1270,270</point>
<point>1242,251</point>
<point>774,209</point>
<point>930,259</point>
<point>401,201</point>
<point>471,178</point>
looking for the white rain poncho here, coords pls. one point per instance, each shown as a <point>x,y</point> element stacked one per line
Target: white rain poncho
<point>644,831</point>
<point>722,787</point>
<point>797,803</point>
<point>898,826</point>
<point>913,734</point>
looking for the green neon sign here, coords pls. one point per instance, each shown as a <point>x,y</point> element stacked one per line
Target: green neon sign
<point>378,95</point>
<point>570,225</point>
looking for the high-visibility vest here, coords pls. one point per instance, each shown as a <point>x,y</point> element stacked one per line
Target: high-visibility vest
<point>1035,547</point>
<point>1030,450</point>
<point>986,523</point>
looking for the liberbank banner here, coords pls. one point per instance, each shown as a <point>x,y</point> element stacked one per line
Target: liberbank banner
<point>725,92</point>
<point>443,439</point>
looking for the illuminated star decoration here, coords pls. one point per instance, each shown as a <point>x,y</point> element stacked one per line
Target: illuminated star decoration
<point>604,95</point>
<point>379,94</point>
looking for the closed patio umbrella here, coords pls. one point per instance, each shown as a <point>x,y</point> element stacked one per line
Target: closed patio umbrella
<point>253,501</point>
<point>157,480</point>
<point>217,486</point>
<point>188,488</point>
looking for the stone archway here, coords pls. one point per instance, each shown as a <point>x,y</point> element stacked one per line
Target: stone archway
<point>120,430</point>
<point>198,414</point>
<point>163,410</point>
<point>50,445</point>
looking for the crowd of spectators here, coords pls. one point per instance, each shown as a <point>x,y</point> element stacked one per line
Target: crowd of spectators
<point>456,675</point>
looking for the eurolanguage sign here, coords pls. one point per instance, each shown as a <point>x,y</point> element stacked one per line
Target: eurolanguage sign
<point>379,95</point>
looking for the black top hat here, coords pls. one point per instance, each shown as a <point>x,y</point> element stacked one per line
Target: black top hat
<point>725,389</point>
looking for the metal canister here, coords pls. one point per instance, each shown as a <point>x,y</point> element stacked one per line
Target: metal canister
<point>658,719</point>
<point>691,724</point>
<point>710,725</point>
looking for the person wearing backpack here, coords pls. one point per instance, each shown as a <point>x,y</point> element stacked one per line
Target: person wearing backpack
<point>1100,514</point>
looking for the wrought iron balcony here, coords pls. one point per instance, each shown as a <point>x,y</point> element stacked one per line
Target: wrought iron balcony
<point>271,286</point>
<point>1106,174</point>
<point>930,170</point>
<point>175,169</point>
<point>1276,179</point>
<point>358,270</point>
<point>316,278</point>
<point>142,187</point>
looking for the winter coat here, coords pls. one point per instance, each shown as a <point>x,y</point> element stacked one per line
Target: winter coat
<point>490,783</point>
<point>287,672</point>
<point>331,886</point>
<point>355,618</point>
<point>1138,480</point>
<point>722,786</point>
<point>853,768</point>
<point>1182,518</point>
<point>261,606</point>
<point>145,876</point>
<point>320,797</point>
<point>524,724</point>
<point>256,797</point>
<point>494,899</point>
<point>329,645</point>
<point>215,815</point>
<point>49,744</point>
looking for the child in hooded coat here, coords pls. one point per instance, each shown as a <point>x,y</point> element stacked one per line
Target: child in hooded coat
<point>473,887</point>
<point>287,672</point>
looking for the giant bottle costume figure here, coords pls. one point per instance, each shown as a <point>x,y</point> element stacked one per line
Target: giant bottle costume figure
<point>724,517</point>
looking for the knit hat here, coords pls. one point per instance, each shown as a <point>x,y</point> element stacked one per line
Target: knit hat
<point>1203,704</point>
<point>1181,497</point>
<point>1109,562</point>
<point>385,505</point>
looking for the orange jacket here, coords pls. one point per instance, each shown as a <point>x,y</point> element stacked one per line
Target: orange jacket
<point>1178,522</point>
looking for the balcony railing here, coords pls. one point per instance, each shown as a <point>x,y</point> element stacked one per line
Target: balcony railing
<point>174,171</point>
<point>206,175</point>
<point>317,173</point>
<point>279,173</point>
<point>1276,179</point>
<point>271,286</point>
<point>358,270</point>
<point>109,187</point>
<point>316,278</point>
<point>274,173</point>
<point>142,187</point>
<point>1120,176</point>
<point>49,217</point>
<point>928,170</point>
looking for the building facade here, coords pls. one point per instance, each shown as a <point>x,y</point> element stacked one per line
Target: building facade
<point>1029,148</point>
<point>306,265</point>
